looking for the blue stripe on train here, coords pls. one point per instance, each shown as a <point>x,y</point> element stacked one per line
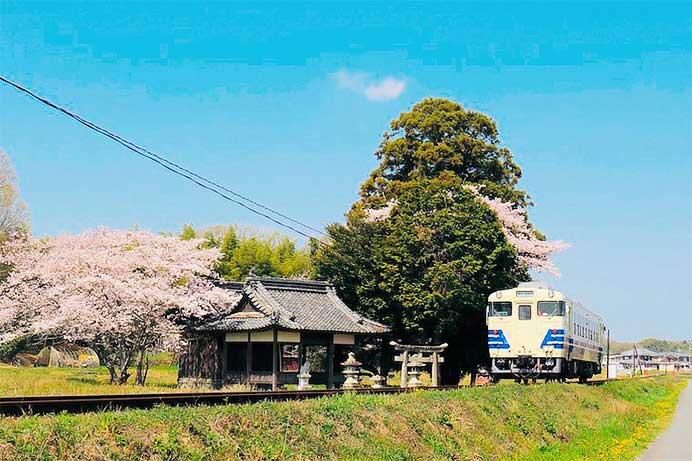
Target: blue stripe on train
<point>554,338</point>
<point>497,340</point>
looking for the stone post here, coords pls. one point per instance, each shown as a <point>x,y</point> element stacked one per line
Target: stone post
<point>435,372</point>
<point>404,370</point>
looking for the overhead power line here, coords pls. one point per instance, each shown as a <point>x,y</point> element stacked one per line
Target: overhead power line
<point>174,167</point>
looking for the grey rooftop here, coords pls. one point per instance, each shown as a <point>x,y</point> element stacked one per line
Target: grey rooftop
<point>291,304</point>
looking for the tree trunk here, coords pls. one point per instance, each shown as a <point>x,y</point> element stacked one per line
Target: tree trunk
<point>116,356</point>
<point>142,369</point>
<point>113,373</point>
<point>117,376</point>
<point>124,376</point>
<point>124,373</point>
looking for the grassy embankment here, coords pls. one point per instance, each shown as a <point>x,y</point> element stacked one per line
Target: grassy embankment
<point>615,421</point>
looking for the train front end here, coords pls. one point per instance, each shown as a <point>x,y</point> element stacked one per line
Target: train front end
<point>527,328</point>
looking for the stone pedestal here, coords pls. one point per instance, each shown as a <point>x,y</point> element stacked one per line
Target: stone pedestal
<point>304,382</point>
<point>351,372</point>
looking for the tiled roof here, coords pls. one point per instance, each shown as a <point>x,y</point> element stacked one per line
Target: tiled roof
<point>294,305</point>
<point>640,352</point>
<point>233,286</point>
<point>678,354</point>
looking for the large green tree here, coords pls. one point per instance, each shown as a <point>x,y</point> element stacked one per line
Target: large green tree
<point>255,253</point>
<point>439,138</point>
<point>418,250</point>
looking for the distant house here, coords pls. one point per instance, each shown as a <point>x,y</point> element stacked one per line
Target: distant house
<point>277,325</point>
<point>684,358</point>
<point>642,354</point>
<point>648,360</point>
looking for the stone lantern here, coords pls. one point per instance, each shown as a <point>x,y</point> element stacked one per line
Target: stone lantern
<point>377,381</point>
<point>414,371</point>
<point>351,372</point>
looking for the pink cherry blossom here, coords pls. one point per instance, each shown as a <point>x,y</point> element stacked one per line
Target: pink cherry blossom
<point>380,214</point>
<point>533,252</point>
<point>124,293</point>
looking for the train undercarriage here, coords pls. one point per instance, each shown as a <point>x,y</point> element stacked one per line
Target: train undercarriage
<point>527,368</point>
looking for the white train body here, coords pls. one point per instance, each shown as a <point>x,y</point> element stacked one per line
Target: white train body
<point>535,331</point>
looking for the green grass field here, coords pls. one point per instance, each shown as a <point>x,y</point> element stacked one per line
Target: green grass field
<point>16,381</point>
<point>547,422</point>
<point>22,381</point>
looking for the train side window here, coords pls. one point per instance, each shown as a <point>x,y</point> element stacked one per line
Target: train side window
<point>551,308</point>
<point>503,309</point>
<point>524,312</point>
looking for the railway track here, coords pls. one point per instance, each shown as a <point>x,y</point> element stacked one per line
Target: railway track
<point>34,405</point>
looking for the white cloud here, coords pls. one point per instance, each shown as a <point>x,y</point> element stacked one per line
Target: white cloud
<point>354,81</point>
<point>389,88</point>
<point>375,90</point>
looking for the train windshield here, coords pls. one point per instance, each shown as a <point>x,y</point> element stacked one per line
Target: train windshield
<point>503,309</point>
<point>551,308</point>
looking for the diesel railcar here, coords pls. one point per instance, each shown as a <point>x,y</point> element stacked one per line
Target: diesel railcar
<point>537,332</point>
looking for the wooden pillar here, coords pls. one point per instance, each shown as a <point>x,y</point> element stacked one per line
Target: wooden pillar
<point>330,362</point>
<point>275,361</point>
<point>404,370</point>
<point>220,361</point>
<point>248,365</point>
<point>224,365</point>
<point>435,372</point>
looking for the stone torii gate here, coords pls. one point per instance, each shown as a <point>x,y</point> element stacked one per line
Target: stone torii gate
<point>413,355</point>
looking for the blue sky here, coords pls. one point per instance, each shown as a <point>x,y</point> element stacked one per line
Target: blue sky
<point>286,103</point>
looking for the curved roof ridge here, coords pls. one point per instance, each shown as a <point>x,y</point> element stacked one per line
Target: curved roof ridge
<point>292,284</point>
<point>295,305</point>
<point>334,297</point>
<point>259,294</point>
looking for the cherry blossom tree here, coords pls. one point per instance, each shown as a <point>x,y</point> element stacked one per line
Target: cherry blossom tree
<point>124,293</point>
<point>533,252</point>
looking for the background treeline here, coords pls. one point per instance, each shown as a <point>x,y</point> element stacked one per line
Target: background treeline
<point>247,251</point>
<point>653,344</point>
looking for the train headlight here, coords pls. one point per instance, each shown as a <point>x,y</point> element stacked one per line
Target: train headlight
<point>502,364</point>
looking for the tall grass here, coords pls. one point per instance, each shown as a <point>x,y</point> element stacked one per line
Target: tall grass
<point>19,381</point>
